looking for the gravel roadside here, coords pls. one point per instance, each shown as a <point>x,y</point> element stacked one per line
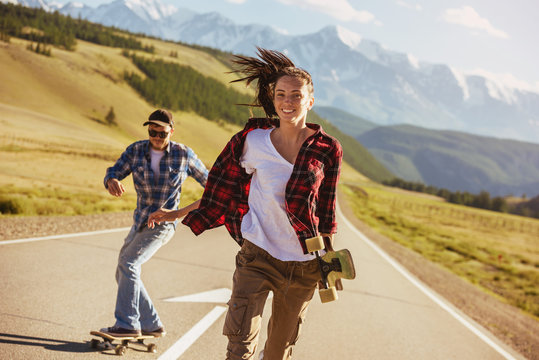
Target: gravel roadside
<point>12,228</point>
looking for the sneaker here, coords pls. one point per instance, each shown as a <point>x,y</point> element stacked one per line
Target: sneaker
<point>159,332</point>
<point>120,332</point>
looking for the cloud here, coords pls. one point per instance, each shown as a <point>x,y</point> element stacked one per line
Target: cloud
<point>468,17</point>
<point>409,6</point>
<point>236,1</point>
<point>338,9</point>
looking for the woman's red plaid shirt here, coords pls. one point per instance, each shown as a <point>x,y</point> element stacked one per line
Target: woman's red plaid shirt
<point>310,192</point>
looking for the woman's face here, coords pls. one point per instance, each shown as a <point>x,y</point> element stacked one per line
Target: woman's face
<point>292,99</point>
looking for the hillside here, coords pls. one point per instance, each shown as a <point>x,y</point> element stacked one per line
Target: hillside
<point>456,161</point>
<point>353,124</point>
<point>452,160</point>
<point>56,145</point>
<point>56,142</point>
<point>350,71</point>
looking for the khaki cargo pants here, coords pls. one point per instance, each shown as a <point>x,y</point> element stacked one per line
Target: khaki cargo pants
<point>293,285</point>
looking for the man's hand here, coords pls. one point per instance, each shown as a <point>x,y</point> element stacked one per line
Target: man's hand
<point>115,187</point>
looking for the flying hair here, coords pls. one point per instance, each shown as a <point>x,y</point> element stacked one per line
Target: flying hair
<point>267,69</point>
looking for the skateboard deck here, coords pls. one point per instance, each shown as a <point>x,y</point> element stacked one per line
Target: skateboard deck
<point>334,265</point>
<point>124,342</point>
<point>338,265</point>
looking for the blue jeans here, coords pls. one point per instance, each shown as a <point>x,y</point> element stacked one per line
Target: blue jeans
<point>134,308</point>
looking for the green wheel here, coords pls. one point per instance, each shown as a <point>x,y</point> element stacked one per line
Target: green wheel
<point>120,350</point>
<point>328,295</point>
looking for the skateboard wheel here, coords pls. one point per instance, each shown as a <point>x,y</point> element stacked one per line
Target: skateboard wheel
<point>120,350</point>
<point>328,295</point>
<point>152,348</point>
<point>315,244</point>
<point>94,343</point>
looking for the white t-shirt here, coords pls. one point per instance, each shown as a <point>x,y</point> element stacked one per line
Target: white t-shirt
<point>156,156</point>
<point>266,223</point>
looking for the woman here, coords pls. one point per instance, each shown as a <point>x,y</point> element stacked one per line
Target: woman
<point>273,186</point>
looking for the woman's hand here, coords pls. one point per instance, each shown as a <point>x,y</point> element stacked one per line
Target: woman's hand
<point>161,215</point>
<point>157,217</point>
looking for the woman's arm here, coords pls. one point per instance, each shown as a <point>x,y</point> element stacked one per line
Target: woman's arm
<point>170,215</point>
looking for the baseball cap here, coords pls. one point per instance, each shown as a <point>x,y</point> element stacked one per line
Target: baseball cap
<point>160,117</point>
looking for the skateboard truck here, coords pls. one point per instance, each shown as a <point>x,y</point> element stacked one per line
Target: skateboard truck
<point>120,349</point>
<point>334,265</point>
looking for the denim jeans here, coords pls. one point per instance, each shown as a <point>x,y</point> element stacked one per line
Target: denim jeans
<point>134,308</point>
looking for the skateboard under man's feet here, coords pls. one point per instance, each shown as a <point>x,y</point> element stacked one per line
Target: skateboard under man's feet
<point>124,341</point>
<point>334,265</point>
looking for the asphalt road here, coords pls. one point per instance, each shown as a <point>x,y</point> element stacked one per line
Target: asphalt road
<point>54,291</point>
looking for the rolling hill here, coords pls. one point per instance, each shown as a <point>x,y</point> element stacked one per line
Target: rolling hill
<point>452,160</point>
<point>56,143</point>
<point>456,161</point>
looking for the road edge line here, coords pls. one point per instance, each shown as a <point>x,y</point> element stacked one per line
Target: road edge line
<point>438,299</point>
<point>62,236</point>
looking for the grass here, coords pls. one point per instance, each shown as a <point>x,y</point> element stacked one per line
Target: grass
<point>497,252</point>
<point>54,152</point>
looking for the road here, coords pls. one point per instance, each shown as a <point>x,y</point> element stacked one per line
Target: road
<point>54,291</point>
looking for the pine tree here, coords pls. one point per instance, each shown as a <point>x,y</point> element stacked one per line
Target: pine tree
<point>111,117</point>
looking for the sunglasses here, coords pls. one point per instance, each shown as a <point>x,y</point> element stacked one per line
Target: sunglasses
<point>161,134</point>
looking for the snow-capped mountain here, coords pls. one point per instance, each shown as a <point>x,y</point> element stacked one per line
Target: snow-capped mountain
<point>350,73</point>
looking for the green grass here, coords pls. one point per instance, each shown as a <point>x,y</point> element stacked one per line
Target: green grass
<point>497,252</point>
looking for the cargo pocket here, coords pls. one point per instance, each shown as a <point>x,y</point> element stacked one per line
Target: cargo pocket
<point>244,257</point>
<point>235,317</point>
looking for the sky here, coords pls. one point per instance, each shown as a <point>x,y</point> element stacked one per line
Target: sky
<point>494,38</point>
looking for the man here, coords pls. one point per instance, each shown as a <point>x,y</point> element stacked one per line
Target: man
<point>159,167</point>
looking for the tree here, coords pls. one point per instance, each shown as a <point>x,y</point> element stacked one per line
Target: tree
<point>111,117</point>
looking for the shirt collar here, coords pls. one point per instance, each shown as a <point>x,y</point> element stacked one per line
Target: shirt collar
<point>149,145</point>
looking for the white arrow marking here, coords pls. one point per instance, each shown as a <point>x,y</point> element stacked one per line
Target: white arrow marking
<point>220,296</point>
<point>176,350</point>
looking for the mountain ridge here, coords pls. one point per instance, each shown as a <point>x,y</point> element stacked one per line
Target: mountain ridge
<point>355,74</point>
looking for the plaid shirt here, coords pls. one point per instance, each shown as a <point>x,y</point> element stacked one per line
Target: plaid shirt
<point>178,162</point>
<point>310,192</point>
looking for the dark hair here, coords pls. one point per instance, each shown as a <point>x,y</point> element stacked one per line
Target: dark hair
<point>267,70</point>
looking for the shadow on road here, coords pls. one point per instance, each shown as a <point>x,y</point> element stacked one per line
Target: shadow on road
<point>49,344</point>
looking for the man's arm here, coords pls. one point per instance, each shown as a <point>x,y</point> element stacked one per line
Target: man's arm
<point>196,168</point>
<point>118,172</point>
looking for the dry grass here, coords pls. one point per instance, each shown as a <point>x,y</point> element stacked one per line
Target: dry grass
<point>497,252</point>
<point>54,146</point>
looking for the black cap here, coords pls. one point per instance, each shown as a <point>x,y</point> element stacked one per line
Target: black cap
<point>160,117</point>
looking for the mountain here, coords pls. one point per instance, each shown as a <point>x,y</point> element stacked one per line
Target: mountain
<point>350,73</point>
<point>351,124</point>
<point>456,161</point>
<point>452,160</point>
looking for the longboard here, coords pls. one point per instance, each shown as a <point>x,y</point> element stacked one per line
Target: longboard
<point>124,341</point>
<point>334,265</point>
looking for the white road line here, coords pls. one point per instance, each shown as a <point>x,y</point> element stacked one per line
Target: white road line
<point>63,236</point>
<point>188,339</point>
<point>434,297</point>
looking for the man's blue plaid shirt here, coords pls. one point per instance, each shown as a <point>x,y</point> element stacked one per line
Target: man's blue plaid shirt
<point>178,162</point>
